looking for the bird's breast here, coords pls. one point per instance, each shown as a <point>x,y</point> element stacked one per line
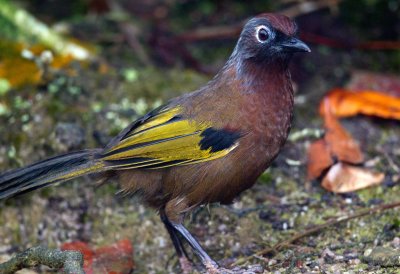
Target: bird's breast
<point>267,117</point>
<point>263,120</point>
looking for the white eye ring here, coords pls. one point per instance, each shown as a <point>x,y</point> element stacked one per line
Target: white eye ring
<point>262,34</point>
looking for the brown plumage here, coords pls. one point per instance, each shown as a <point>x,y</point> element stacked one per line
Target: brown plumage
<point>203,147</point>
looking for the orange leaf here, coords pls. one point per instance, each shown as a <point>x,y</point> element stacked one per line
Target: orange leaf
<point>116,258</point>
<point>341,144</point>
<point>319,159</point>
<point>345,103</point>
<point>19,71</point>
<point>337,143</point>
<point>342,178</point>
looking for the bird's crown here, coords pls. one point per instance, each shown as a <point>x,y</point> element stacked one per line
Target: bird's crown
<point>280,22</point>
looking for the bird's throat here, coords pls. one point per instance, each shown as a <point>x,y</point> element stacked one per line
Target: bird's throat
<point>260,78</point>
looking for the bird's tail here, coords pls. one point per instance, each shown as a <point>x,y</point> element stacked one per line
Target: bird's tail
<point>54,170</point>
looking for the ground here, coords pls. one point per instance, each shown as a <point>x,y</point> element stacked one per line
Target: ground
<point>85,108</point>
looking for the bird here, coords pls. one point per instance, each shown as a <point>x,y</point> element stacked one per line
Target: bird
<point>206,146</point>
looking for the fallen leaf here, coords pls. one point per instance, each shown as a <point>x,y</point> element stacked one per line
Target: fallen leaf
<point>342,178</point>
<point>319,159</point>
<point>346,103</point>
<point>340,143</point>
<point>116,258</point>
<point>366,80</point>
<point>19,71</point>
<point>369,94</point>
<point>337,144</point>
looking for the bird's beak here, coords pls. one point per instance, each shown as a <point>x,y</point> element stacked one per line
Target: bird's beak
<point>293,44</point>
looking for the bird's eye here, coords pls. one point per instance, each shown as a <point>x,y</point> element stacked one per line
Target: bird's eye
<point>262,34</point>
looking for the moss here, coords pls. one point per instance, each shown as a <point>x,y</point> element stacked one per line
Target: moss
<point>266,177</point>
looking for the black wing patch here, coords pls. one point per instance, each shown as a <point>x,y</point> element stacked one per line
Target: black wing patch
<point>218,139</point>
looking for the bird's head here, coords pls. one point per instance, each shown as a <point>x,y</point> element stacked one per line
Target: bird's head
<point>267,38</point>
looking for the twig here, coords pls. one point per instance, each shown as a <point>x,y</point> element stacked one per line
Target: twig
<point>131,32</point>
<point>392,164</point>
<point>70,261</point>
<point>211,33</point>
<point>303,7</point>
<point>316,229</point>
<point>221,32</point>
<point>342,44</point>
<point>309,6</point>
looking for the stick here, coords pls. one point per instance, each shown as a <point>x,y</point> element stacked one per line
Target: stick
<point>342,44</point>
<point>221,32</point>
<point>130,32</point>
<point>318,228</point>
<point>71,261</point>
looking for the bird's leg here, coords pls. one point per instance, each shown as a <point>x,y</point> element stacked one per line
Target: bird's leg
<point>184,261</point>
<point>174,236</point>
<point>209,263</point>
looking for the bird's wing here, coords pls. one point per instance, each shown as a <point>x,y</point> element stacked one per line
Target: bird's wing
<point>163,138</point>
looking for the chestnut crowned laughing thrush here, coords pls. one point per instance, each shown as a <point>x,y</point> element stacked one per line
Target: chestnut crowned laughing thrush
<point>203,147</point>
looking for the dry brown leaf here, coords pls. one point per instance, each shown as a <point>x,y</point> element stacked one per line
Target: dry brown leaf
<point>342,178</point>
<point>345,103</point>
<point>359,98</point>
<point>340,143</point>
<point>366,80</point>
<point>336,144</point>
<point>319,159</point>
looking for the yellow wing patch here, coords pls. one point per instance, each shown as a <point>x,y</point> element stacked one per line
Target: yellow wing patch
<point>161,117</point>
<point>163,140</point>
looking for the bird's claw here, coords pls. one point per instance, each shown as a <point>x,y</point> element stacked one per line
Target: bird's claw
<point>212,267</point>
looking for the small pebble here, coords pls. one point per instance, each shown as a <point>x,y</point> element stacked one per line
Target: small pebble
<point>396,242</point>
<point>328,253</point>
<point>272,262</point>
<point>382,256</point>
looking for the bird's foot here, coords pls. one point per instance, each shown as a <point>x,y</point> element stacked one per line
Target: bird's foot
<point>212,267</point>
<point>186,265</point>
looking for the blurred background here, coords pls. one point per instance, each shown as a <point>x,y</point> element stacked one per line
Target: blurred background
<point>74,73</point>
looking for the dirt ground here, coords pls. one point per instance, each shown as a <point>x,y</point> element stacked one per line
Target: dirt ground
<point>85,109</point>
